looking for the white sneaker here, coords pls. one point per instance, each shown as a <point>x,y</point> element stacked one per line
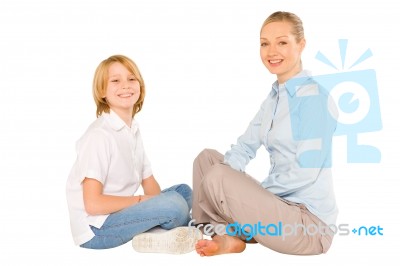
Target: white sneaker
<point>179,240</point>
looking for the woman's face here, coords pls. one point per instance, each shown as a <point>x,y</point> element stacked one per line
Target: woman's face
<point>279,50</point>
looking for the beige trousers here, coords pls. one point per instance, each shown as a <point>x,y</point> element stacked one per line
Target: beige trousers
<point>224,196</point>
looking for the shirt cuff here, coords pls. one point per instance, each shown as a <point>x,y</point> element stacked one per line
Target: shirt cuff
<point>235,164</point>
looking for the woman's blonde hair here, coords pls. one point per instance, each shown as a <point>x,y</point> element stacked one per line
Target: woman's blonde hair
<point>100,82</point>
<point>280,16</point>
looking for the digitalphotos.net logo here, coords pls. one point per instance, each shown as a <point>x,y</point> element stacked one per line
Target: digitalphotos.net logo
<point>355,107</point>
<point>279,229</point>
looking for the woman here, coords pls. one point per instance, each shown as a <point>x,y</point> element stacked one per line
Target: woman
<point>291,210</point>
<point>105,209</point>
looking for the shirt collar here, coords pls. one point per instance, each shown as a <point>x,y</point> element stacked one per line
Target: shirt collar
<point>290,89</point>
<point>117,123</point>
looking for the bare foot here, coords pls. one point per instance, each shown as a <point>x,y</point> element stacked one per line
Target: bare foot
<point>219,245</point>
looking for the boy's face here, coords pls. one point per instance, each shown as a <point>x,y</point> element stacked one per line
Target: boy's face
<point>123,89</point>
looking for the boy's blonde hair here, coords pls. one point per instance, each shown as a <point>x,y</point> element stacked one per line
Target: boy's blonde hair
<point>100,82</point>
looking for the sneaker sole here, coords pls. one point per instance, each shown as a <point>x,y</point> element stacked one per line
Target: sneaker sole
<point>179,240</point>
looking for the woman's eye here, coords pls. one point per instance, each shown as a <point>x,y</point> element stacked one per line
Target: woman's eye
<point>282,43</point>
<point>263,44</point>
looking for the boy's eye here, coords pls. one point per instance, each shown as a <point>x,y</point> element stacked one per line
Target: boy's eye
<point>264,44</point>
<point>114,80</point>
<point>282,43</point>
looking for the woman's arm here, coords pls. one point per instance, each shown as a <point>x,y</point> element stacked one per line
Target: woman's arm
<point>248,143</point>
<point>96,203</point>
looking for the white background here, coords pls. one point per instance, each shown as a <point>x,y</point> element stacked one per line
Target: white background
<point>205,81</point>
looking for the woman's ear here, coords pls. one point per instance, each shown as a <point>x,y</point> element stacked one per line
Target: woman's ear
<point>302,44</point>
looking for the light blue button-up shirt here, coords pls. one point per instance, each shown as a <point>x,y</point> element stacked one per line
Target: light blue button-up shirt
<point>295,124</point>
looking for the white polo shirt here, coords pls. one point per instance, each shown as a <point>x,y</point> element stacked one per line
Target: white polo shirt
<point>113,154</point>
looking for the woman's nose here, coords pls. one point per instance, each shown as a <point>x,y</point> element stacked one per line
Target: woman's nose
<point>272,50</point>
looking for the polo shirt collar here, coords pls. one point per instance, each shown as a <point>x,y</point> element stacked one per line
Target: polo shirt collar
<point>291,89</point>
<point>304,74</point>
<point>117,123</point>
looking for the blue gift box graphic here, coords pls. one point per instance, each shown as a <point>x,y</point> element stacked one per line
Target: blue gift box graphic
<point>349,99</point>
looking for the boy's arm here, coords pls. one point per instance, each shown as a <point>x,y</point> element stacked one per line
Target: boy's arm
<point>96,203</point>
<point>151,186</point>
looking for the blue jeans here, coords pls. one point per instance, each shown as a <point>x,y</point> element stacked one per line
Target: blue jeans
<point>168,210</point>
